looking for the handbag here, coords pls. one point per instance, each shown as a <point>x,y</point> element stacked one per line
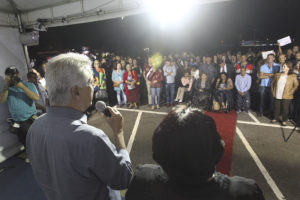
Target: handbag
<point>116,84</point>
<point>101,94</point>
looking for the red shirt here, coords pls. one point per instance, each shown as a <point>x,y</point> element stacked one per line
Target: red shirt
<point>249,68</point>
<point>156,76</point>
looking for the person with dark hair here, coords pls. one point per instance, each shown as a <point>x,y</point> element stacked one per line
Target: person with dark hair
<point>243,85</point>
<point>169,71</point>
<point>131,80</point>
<point>41,104</point>
<point>156,78</point>
<point>187,147</point>
<point>223,92</point>
<point>244,64</point>
<point>118,83</point>
<point>185,86</point>
<point>267,72</point>
<point>283,88</point>
<point>20,97</point>
<point>201,92</point>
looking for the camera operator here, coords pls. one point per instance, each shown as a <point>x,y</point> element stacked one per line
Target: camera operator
<point>20,97</point>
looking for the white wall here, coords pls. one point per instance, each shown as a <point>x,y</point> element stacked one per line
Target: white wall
<point>11,53</point>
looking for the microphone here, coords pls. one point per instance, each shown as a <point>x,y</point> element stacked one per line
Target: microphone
<point>101,107</point>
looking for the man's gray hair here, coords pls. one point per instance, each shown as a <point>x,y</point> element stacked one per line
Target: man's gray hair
<point>64,72</point>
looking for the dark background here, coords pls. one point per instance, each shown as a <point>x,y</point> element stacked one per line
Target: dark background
<point>208,28</point>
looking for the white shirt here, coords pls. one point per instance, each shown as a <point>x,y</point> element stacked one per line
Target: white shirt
<point>223,69</point>
<point>280,86</point>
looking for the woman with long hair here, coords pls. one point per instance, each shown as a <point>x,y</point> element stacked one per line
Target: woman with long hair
<point>131,81</point>
<point>156,78</point>
<point>118,83</point>
<point>201,92</point>
<point>283,88</point>
<point>223,92</point>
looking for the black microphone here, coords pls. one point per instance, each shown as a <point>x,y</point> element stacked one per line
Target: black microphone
<point>101,107</point>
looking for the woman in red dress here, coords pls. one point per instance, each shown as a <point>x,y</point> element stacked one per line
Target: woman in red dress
<point>131,81</point>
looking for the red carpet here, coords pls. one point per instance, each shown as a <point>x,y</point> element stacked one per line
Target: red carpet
<point>226,127</point>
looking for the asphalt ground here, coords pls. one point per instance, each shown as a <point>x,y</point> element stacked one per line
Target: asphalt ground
<point>260,150</point>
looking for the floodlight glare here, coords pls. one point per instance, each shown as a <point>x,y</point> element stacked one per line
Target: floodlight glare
<point>170,11</point>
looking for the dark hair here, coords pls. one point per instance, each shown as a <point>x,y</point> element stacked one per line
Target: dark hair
<point>187,145</point>
<point>288,64</point>
<point>31,75</point>
<point>11,71</point>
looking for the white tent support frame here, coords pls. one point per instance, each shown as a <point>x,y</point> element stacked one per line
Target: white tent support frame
<point>68,12</point>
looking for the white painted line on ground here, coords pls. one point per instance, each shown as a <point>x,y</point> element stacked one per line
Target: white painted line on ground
<point>145,111</point>
<point>266,124</point>
<point>134,130</point>
<point>261,167</point>
<point>238,121</point>
<point>253,117</point>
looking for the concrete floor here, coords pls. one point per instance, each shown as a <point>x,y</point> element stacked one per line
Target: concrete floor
<point>280,159</point>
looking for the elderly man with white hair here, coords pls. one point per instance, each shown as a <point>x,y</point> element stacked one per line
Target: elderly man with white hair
<point>70,159</point>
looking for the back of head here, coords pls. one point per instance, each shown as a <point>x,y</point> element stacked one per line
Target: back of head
<point>187,146</point>
<point>65,71</point>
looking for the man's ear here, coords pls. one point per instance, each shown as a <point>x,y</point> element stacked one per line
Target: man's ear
<point>75,91</point>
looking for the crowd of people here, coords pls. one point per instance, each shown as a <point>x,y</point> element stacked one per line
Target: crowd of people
<point>219,82</point>
<point>86,164</point>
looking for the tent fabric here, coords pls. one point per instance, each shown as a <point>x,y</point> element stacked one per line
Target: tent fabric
<point>67,12</point>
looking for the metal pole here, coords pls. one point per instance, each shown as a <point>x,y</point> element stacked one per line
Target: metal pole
<point>25,49</point>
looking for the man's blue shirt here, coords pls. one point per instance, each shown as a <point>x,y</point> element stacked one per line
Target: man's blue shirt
<point>275,68</point>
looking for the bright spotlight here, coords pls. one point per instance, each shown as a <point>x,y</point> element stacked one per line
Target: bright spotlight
<point>170,11</point>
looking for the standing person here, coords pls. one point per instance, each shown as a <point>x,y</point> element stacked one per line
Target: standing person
<point>156,79</point>
<point>41,104</point>
<point>131,81</point>
<point>243,85</point>
<point>70,159</point>
<point>147,68</point>
<point>118,83</point>
<point>283,88</point>
<point>20,97</point>
<point>244,64</point>
<point>170,73</point>
<point>267,72</point>
<point>209,69</point>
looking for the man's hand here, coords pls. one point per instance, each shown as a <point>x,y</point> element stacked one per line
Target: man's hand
<point>115,121</point>
<point>241,93</point>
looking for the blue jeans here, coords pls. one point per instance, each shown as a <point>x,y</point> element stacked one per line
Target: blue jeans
<point>155,92</point>
<point>265,92</point>
<point>120,94</point>
<point>170,90</point>
<point>244,101</point>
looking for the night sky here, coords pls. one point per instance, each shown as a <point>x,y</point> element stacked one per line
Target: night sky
<point>203,30</point>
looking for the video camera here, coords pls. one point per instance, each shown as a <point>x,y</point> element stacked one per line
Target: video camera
<point>13,73</point>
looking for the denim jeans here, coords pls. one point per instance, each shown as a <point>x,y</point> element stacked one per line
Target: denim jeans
<point>120,94</point>
<point>170,91</point>
<point>155,92</point>
<point>265,92</point>
<point>244,101</point>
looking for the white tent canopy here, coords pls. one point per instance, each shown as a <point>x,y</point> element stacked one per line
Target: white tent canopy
<point>67,12</point>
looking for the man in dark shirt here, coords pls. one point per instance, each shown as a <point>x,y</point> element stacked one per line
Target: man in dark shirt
<point>72,160</point>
